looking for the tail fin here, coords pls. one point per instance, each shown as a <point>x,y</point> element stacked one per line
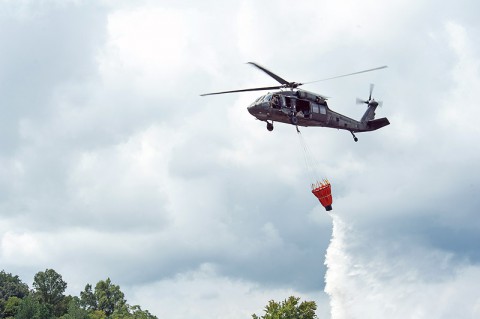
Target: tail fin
<point>369,113</point>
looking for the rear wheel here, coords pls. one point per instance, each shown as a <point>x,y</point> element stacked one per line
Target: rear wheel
<point>269,126</point>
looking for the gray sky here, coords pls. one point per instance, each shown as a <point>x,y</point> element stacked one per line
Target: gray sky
<point>113,166</point>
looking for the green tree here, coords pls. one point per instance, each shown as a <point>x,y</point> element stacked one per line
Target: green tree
<point>75,311</point>
<point>31,308</point>
<point>289,308</point>
<point>132,312</point>
<point>87,298</point>
<point>138,313</point>
<point>97,314</point>
<point>107,301</point>
<point>10,286</point>
<point>63,306</point>
<point>49,287</point>
<point>109,297</point>
<point>11,307</point>
<point>121,312</point>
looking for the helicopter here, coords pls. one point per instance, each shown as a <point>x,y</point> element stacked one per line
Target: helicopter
<point>294,106</point>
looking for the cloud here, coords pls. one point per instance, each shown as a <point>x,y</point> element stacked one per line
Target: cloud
<point>366,280</point>
<point>203,293</point>
<point>112,165</point>
<point>31,70</point>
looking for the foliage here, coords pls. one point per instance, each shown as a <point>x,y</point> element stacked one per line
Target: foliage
<point>289,308</point>
<point>49,287</point>
<point>31,308</point>
<point>121,312</point>
<point>47,300</point>
<point>97,314</point>
<point>138,313</point>
<point>75,311</point>
<point>11,307</point>
<point>107,301</point>
<point>63,306</point>
<point>87,298</point>
<point>109,296</point>
<point>10,286</point>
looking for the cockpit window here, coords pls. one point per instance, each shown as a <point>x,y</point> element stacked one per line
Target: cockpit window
<point>259,99</point>
<point>267,98</point>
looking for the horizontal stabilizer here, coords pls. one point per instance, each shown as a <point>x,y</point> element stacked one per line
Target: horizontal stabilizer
<point>378,123</point>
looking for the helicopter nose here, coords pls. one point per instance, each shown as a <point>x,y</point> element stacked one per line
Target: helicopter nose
<point>251,108</point>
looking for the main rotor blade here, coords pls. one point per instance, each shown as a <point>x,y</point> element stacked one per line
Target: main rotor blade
<point>341,76</point>
<point>245,90</point>
<point>273,75</point>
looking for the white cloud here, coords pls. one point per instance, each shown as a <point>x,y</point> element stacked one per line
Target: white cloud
<point>365,280</point>
<point>461,106</point>
<point>112,165</point>
<point>21,248</point>
<point>150,44</point>
<point>202,293</point>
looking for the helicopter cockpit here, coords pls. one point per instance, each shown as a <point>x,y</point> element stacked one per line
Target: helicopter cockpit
<point>272,100</point>
<point>261,99</point>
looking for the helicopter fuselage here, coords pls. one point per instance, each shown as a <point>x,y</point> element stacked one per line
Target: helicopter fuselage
<point>303,108</point>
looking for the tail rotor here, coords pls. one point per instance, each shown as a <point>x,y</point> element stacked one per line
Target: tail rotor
<point>371,101</point>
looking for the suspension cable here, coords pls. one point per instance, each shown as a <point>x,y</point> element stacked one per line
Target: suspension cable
<point>309,159</point>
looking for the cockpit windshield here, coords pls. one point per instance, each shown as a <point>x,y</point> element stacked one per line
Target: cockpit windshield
<point>267,98</point>
<point>259,99</point>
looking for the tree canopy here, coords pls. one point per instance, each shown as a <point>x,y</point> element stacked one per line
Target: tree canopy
<point>49,288</point>
<point>106,301</point>
<point>47,300</point>
<point>289,308</point>
<point>109,297</point>
<point>10,286</point>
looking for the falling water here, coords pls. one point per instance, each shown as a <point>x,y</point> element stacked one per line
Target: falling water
<point>338,265</point>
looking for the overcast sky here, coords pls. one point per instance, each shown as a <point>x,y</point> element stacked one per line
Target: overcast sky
<point>112,165</point>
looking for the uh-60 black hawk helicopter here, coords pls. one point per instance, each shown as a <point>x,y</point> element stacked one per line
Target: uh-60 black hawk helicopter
<point>302,108</point>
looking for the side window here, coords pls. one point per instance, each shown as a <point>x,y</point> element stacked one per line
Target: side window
<point>315,108</point>
<point>323,110</point>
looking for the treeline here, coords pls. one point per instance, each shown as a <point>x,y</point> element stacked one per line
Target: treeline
<point>290,308</point>
<point>46,300</point>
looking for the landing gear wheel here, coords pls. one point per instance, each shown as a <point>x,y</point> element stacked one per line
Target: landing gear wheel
<point>270,126</point>
<point>354,137</point>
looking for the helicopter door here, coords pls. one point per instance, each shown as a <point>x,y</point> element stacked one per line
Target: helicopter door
<point>290,102</point>
<point>303,108</point>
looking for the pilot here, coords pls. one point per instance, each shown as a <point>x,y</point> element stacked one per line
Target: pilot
<point>275,102</point>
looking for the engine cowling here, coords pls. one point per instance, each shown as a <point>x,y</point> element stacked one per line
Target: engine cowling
<point>310,96</point>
